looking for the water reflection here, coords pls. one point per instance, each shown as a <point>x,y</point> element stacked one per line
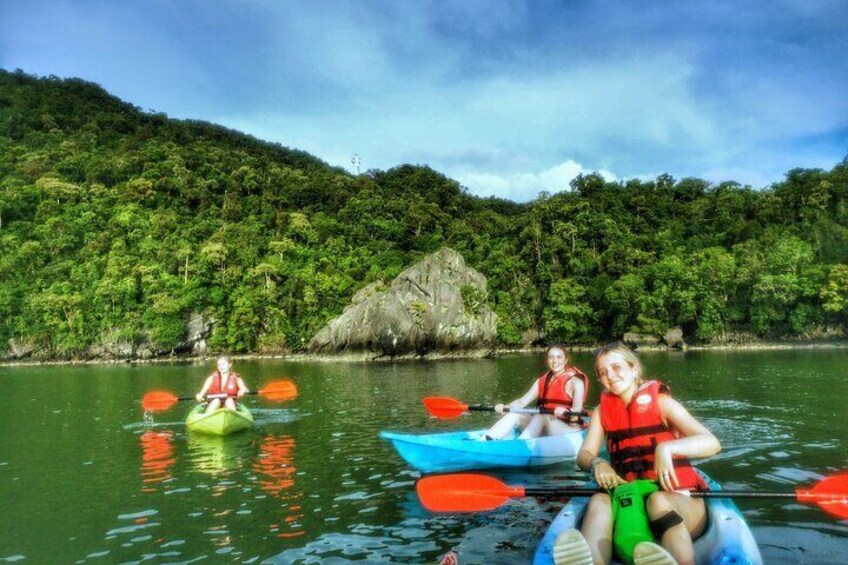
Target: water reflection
<point>157,458</point>
<point>218,456</point>
<point>275,470</point>
<point>777,414</point>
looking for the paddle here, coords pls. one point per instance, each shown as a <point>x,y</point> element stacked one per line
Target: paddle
<point>447,408</point>
<point>275,390</point>
<point>478,493</point>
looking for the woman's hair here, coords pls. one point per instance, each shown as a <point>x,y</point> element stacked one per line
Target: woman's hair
<point>626,353</point>
<point>223,357</point>
<point>557,346</point>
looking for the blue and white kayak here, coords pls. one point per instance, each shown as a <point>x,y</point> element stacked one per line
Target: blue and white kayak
<point>463,451</point>
<point>727,541</point>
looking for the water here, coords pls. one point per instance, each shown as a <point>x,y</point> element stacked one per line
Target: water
<point>87,477</point>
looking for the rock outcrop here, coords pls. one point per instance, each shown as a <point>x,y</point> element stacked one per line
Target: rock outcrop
<point>674,338</point>
<point>635,340</point>
<point>438,304</point>
<point>17,350</point>
<point>111,347</point>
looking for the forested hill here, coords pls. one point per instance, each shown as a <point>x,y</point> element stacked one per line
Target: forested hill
<point>115,224</point>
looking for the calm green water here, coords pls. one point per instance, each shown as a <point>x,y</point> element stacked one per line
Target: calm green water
<point>85,479</point>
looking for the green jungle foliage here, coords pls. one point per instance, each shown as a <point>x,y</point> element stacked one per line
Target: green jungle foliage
<point>115,224</point>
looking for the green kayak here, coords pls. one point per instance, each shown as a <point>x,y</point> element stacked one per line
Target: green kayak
<point>221,422</point>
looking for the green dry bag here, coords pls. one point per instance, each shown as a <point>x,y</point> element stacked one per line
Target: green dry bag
<point>630,519</point>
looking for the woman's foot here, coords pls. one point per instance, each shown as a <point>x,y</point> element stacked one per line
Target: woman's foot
<point>570,548</point>
<point>649,553</point>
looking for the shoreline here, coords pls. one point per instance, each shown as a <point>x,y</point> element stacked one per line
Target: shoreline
<point>369,357</point>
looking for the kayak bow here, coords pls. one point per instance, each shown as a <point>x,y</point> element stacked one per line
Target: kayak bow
<point>221,422</point>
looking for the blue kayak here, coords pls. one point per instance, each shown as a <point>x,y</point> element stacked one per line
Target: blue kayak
<point>463,451</point>
<point>727,541</point>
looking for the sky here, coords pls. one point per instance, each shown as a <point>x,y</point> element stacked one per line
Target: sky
<point>510,98</point>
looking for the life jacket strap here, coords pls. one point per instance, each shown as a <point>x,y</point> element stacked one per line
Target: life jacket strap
<point>630,433</point>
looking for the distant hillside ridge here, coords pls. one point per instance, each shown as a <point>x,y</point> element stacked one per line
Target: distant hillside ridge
<point>127,234</point>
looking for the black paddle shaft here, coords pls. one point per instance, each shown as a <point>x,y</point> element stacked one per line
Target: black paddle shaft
<point>485,408</point>
<point>583,492</point>
<point>223,395</point>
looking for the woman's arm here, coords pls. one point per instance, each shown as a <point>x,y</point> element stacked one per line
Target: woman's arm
<point>696,441</point>
<point>592,444</point>
<point>206,384</point>
<point>529,396</point>
<point>242,388</point>
<point>577,391</point>
<point>588,459</point>
<point>520,402</point>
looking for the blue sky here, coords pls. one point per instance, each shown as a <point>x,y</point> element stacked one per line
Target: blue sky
<point>508,97</point>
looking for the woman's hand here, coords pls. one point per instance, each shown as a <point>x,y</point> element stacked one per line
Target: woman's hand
<point>664,467</point>
<point>499,408</point>
<point>605,475</point>
<point>199,397</point>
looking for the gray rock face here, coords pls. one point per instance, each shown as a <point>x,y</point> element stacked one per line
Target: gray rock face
<point>533,337</point>
<point>674,338</point>
<point>111,350</point>
<point>198,328</point>
<point>635,340</point>
<point>19,350</point>
<point>435,305</point>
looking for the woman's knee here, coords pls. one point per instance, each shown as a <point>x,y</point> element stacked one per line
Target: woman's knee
<point>659,503</point>
<point>516,420</point>
<point>599,502</point>
<point>598,519</point>
<point>556,427</point>
<point>667,509</point>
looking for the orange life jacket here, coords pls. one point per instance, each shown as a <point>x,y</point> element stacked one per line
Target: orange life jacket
<point>634,431</point>
<point>551,388</point>
<point>230,388</point>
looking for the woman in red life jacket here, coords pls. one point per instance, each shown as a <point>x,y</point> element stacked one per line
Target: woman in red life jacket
<point>562,388</point>
<point>222,381</point>
<point>648,435</point>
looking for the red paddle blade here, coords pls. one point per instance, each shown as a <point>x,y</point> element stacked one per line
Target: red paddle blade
<point>444,407</point>
<point>830,494</point>
<point>158,400</point>
<point>279,390</point>
<point>464,493</point>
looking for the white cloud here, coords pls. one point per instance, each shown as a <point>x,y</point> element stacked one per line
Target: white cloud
<point>489,93</point>
<point>522,187</point>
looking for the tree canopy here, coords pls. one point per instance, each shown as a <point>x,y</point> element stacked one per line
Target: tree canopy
<point>117,223</point>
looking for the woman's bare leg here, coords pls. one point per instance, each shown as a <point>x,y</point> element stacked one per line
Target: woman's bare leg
<point>503,427</point>
<point>597,528</point>
<point>213,405</point>
<point>556,427</point>
<point>535,428</point>
<point>677,540</point>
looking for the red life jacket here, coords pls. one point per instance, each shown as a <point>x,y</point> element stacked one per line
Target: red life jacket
<point>230,388</point>
<point>551,388</point>
<point>634,431</point>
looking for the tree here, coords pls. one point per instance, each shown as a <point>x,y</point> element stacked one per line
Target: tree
<point>834,294</point>
<point>567,317</point>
